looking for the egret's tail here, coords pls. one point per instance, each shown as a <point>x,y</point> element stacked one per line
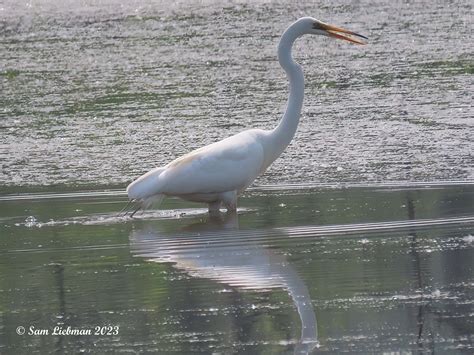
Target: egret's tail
<point>145,191</point>
<point>152,200</point>
<point>146,186</point>
<point>141,204</point>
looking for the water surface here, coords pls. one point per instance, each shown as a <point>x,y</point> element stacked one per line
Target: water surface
<point>297,270</point>
<point>100,92</point>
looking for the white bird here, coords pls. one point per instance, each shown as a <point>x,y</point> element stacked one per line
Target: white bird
<point>218,173</point>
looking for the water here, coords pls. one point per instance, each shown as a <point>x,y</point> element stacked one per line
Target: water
<point>96,93</point>
<point>358,239</point>
<point>386,268</point>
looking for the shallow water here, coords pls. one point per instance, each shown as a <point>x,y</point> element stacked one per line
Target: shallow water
<point>100,92</point>
<point>298,270</point>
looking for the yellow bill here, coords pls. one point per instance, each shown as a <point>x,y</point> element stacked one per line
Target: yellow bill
<point>340,33</point>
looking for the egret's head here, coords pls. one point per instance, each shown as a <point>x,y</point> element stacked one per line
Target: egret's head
<point>312,26</point>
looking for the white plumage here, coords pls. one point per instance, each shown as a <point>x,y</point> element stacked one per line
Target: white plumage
<point>217,173</point>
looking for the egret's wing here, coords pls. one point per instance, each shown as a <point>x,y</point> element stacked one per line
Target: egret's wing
<point>231,164</point>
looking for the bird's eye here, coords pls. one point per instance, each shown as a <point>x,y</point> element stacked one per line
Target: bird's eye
<point>317,26</point>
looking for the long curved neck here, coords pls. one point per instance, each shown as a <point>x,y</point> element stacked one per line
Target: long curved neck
<point>282,135</point>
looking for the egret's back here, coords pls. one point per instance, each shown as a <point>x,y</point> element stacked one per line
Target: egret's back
<point>228,165</point>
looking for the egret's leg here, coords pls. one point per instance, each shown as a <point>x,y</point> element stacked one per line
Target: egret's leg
<point>214,207</point>
<point>231,207</point>
<point>229,199</point>
<point>126,208</point>
<point>136,210</point>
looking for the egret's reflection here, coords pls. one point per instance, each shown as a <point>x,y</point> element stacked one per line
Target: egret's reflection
<point>215,248</point>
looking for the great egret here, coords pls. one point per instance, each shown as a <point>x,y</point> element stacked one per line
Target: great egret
<point>217,173</point>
